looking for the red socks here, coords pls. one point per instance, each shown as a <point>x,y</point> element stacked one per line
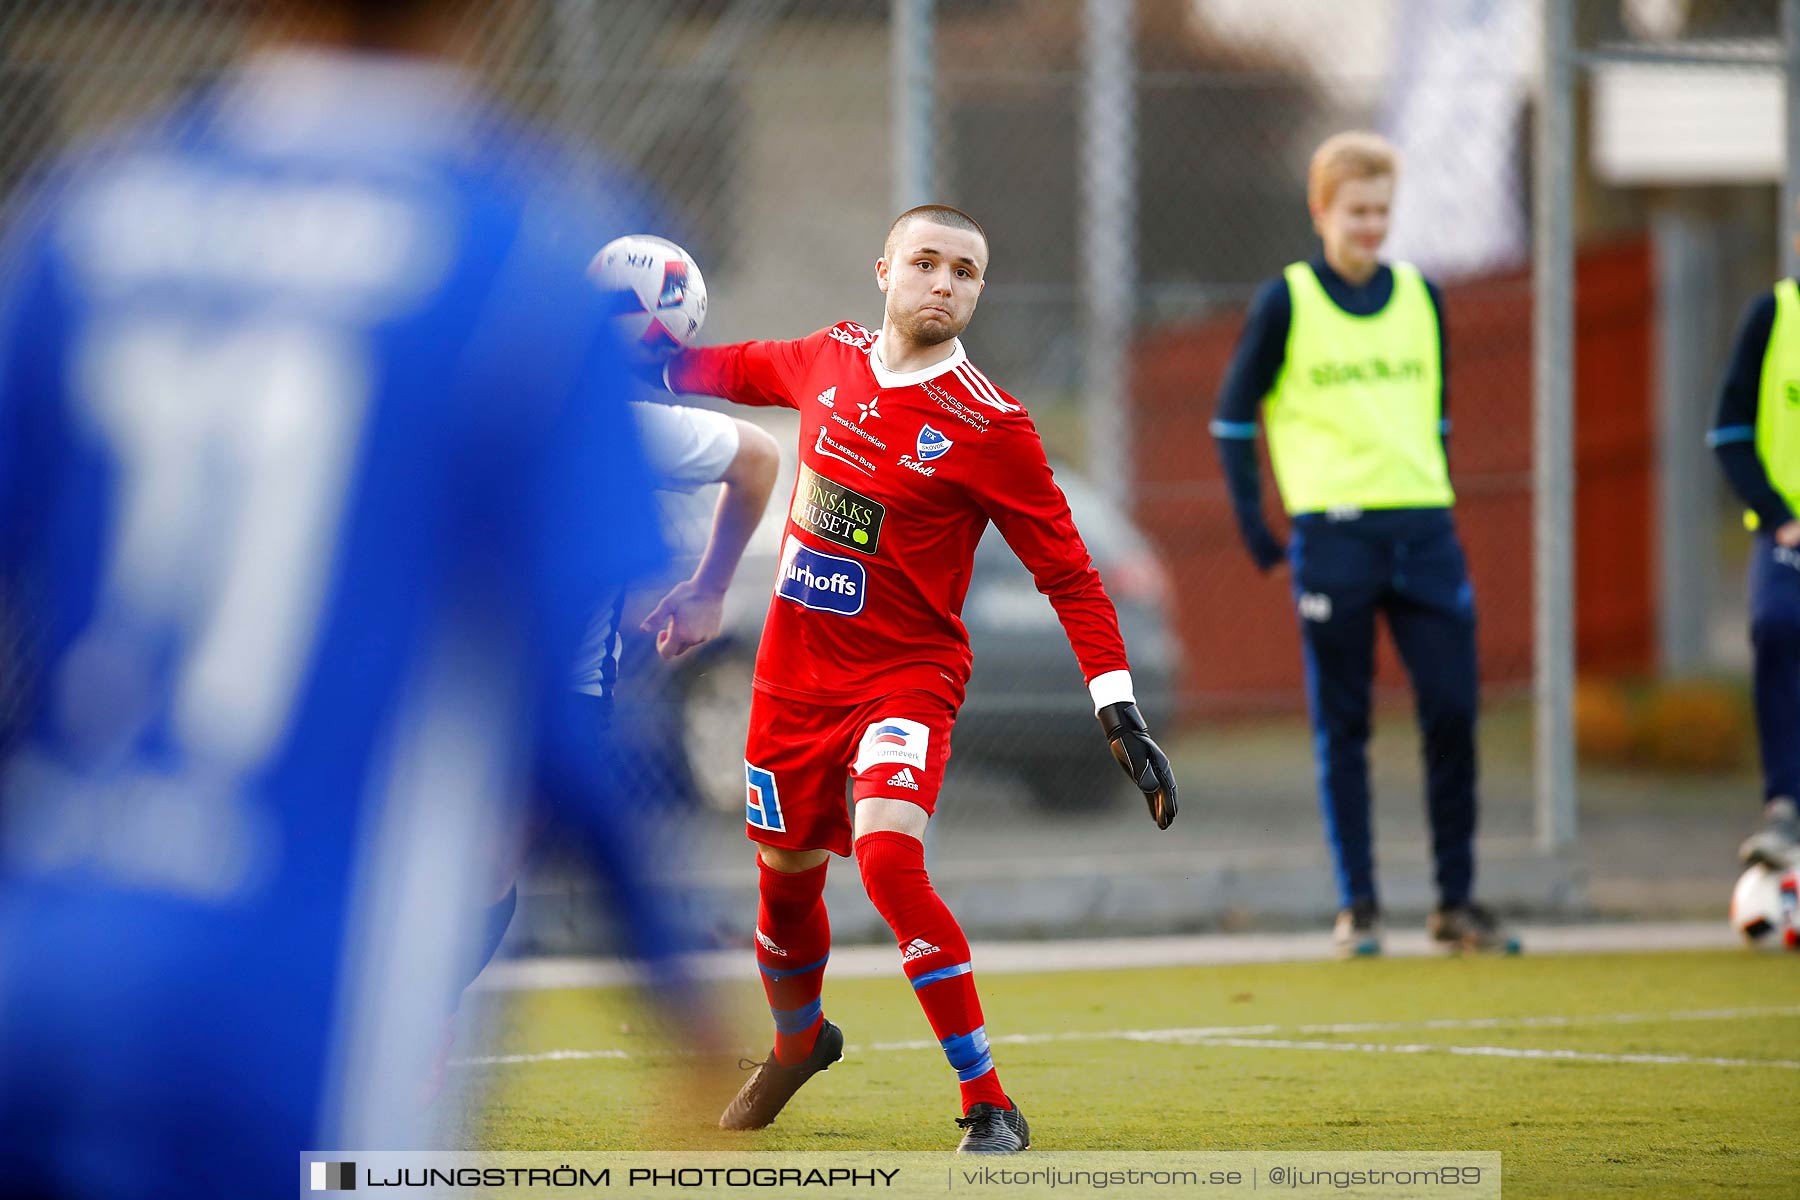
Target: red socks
<point>935,956</point>
<point>793,940</point>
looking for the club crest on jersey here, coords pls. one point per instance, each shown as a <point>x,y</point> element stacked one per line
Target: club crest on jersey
<point>894,740</point>
<point>932,444</point>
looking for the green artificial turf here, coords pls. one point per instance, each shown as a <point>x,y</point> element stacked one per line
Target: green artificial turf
<point>1100,1071</point>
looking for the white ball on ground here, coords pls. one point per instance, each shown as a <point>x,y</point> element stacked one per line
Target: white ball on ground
<point>1765,908</point>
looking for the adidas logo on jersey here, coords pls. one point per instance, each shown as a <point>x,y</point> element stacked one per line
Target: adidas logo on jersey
<point>903,778</point>
<point>917,948</point>
<point>828,397</point>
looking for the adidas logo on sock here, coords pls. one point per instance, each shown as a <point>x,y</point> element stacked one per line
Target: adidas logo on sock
<point>769,944</point>
<point>828,397</point>
<point>903,778</point>
<point>917,948</point>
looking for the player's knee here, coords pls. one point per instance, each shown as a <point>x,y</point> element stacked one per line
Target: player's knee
<point>892,865</point>
<point>790,862</point>
<point>890,814</point>
<point>1344,740</point>
<point>1448,716</point>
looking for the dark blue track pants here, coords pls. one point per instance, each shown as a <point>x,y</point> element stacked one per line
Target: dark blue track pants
<point>1775,638</point>
<point>1407,565</point>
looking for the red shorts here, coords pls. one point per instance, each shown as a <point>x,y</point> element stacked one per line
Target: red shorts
<point>799,757</point>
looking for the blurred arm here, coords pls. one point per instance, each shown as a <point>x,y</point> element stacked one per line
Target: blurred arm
<point>693,611</point>
<point>748,483</point>
<point>755,373</point>
<point>1256,363</point>
<point>1733,436</point>
<point>1443,324</point>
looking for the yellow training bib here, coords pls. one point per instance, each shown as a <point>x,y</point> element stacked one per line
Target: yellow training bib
<point>1355,417</point>
<point>1778,401</point>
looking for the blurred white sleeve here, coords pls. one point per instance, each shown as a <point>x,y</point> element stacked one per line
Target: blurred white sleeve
<point>686,448</point>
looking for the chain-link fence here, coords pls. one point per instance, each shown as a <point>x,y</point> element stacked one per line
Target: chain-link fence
<point>1188,127</point>
<point>1683,153</point>
<point>1140,167</point>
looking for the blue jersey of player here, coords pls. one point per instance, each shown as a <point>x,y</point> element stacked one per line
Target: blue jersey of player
<point>313,467</point>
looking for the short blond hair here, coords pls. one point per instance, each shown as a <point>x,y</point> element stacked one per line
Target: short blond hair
<point>937,214</point>
<point>1353,154</point>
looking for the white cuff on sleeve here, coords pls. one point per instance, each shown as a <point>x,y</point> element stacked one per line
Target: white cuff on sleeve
<point>1113,687</point>
<point>667,386</point>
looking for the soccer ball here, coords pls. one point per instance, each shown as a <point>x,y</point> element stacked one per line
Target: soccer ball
<point>656,289</point>
<point>1765,908</point>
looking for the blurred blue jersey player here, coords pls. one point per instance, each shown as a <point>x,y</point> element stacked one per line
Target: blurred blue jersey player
<point>314,465</point>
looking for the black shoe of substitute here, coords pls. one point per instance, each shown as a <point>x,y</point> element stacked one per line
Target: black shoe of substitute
<point>767,1092</point>
<point>1469,928</point>
<point>1357,933</point>
<point>994,1130</point>
<point>1776,842</point>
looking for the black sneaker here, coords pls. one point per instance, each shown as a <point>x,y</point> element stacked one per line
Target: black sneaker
<point>1776,842</point>
<point>994,1130</point>
<point>767,1092</point>
<point>1471,929</point>
<point>1357,933</point>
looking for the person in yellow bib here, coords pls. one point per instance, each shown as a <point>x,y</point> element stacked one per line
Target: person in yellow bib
<point>1756,437</point>
<point>1343,356</point>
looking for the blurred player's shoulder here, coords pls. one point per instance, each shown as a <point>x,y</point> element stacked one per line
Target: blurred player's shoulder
<point>332,174</point>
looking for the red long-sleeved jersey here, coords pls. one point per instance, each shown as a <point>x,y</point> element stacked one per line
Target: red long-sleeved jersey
<point>899,476</point>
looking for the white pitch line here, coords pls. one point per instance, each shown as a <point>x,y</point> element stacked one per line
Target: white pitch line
<point>495,1060</point>
<point>1201,1034</point>
<point>1232,1035</point>
<point>1701,1014</point>
<point>1494,1052</point>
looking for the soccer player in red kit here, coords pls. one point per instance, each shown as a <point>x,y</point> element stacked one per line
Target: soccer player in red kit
<point>907,451</point>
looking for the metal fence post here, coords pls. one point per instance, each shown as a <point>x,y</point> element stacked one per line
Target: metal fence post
<point>1109,260</point>
<point>1553,366</point>
<point>913,87</point>
<point>1687,277</point>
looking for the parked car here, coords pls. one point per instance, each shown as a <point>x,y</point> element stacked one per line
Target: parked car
<point>1026,714</point>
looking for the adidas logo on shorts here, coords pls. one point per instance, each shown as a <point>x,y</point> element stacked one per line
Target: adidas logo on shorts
<point>903,778</point>
<point>917,948</point>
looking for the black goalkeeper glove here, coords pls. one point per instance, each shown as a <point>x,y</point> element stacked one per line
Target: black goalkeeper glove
<point>1142,759</point>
